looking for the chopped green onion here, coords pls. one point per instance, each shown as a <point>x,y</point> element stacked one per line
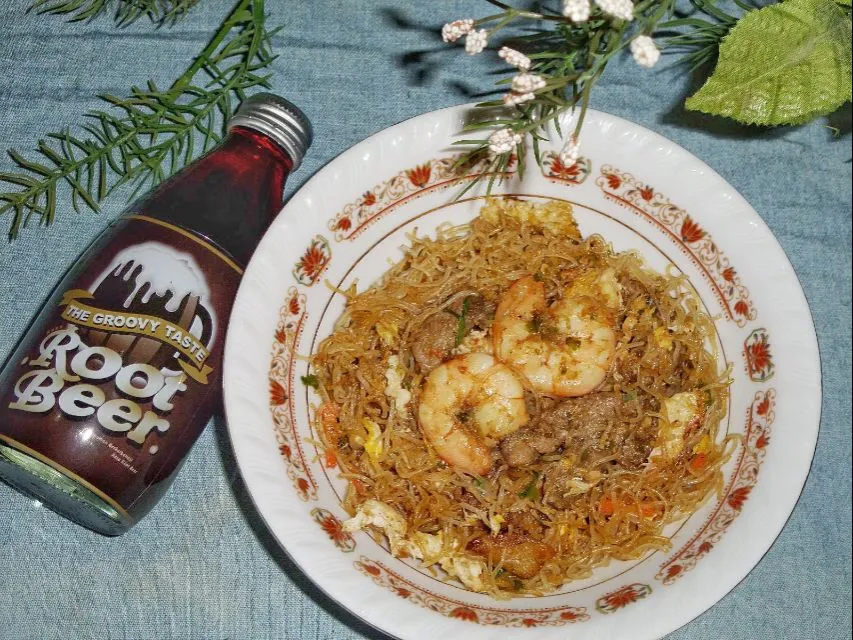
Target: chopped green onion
<point>462,322</point>
<point>311,381</point>
<point>531,492</point>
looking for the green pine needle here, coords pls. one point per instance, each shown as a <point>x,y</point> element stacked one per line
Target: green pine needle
<point>699,39</point>
<point>124,11</point>
<point>147,136</point>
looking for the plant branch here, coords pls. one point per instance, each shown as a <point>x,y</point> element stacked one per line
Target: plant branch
<point>145,137</point>
<point>125,11</point>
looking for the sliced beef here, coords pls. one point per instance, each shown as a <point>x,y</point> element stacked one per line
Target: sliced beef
<point>579,424</point>
<point>524,446</point>
<point>433,341</point>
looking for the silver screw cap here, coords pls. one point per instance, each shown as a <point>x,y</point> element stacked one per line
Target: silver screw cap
<point>277,118</point>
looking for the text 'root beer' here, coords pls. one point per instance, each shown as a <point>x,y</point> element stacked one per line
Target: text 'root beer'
<point>120,372</point>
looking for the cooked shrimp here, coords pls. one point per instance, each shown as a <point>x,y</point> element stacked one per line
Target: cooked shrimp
<point>565,349</point>
<point>465,403</point>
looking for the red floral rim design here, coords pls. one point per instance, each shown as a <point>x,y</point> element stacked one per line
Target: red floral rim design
<point>281,375</point>
<point>610,602</point>
<point>313,262</point>
<point>759,360</point>
<point>434,175</point>
<point>759,418</point>
<point>334,529</point>
<point>556,171</point>
<point>692,239</point>
<point>552,617</point>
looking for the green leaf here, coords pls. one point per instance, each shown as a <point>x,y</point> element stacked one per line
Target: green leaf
<point>310,381</point>
<point>783,64</point>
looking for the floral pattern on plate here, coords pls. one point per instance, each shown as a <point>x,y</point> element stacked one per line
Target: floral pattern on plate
<point>504,617</point>
<point>382,199</point>
<point>759,419</point>
<point>557,171</point>
<point>759,360</point>
<point>610,602</point>
<point>688,234</point>
<point>281,375</point>
<point>313,262</point>
<point>334,528</point>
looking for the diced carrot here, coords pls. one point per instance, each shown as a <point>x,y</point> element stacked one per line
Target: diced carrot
<point>360,489</point>
<point>331,459</point>
<point>328,416</point>
<point>328,413</point>
<point>649,509</point>
<point>698,462</point>
<point>607,507</point>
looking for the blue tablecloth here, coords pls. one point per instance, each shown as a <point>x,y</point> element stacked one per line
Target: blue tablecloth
<point>202,565</point>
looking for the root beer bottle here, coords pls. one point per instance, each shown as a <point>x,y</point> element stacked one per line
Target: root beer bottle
<point>119,373</point>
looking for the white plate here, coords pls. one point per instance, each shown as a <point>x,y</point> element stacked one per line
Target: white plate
<point>640,191</point>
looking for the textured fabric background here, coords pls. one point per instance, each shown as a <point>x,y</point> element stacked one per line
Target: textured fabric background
<point>201,565</point>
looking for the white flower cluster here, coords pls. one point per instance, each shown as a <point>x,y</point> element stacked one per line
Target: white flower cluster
<point>515,58</point>
<point>570,152</point>
<point>576,10</point>
<point>503,141</point>
<point>452,31</point>
<point>527,83</point>
<point>476,41</point>
<point>621,9</point>
<point>524,84</point>
<point>513,99</point>
<point>645,52</point>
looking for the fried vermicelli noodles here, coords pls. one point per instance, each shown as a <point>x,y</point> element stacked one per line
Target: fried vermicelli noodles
<point>601,461</point>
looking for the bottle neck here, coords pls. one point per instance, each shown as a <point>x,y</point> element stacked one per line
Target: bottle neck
<point>229,196</point>
<point>246,147</point>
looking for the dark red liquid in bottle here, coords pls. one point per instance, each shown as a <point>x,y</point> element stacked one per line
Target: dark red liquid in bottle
<point>120,372</point>
<point>229,196</point>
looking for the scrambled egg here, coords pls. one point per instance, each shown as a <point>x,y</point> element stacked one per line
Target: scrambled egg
<point>373,444</point>
<point>387,331</point>
<point>394,384</point>
<point>430,548</point>
<point>683,412</point>
<point>467,570</point>
<point>475,342</point>
<point>663,338</point>
<point>704,445</point>
<point>603,285</point>
<point>554,216</point>
<point>380,515</point>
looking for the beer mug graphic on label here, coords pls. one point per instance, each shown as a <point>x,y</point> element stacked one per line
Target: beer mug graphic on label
<point>160,297</point>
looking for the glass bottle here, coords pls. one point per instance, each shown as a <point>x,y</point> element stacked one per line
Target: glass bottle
<point>119,372</point>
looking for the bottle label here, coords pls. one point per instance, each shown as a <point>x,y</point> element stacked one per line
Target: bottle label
<point>118,378</point>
